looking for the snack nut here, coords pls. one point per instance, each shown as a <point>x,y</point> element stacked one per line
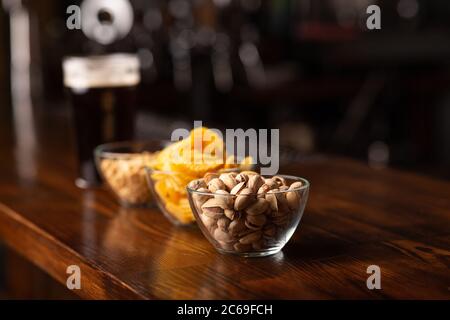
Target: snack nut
<point>246,212</point>
<point>126,177</point>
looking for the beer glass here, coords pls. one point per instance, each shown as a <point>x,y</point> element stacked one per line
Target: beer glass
<point>102,91</point>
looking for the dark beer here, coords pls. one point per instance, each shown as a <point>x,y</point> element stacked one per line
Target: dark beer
<point>102,91</point>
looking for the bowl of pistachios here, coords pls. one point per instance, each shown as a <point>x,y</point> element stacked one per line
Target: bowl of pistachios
<point>247,214</point>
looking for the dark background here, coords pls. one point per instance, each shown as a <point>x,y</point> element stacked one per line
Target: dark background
<point>308,67</point>
<point>327,82</point>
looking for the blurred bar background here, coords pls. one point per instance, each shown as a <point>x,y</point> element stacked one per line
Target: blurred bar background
<point>310,68</point>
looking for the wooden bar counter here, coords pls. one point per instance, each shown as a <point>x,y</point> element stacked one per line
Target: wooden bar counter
<point>356,217</point>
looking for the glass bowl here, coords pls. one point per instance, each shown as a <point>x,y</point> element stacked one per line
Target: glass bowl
<point>122,166</point>
<point>169,191</point>
<point>248,232</point>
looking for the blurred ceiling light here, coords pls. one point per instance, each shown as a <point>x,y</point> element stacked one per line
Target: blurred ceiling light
<point>249,33</point>
<point>205,36</point>
<point>106,21</point>
<point>181,61</point>
<point>222,42</point>
<point>153,19</point>
<point>378,154</point>
<point>222,73</point>
<point>408,8</point>
<point>223,77</point>
<point>251,60</point>
<point>251,5</point>
<point>145,58</point>
<point>186,39</point>
<point>179,8</point>
<point>249,54</point>
<point>349,12</point>
<point>222,3</point>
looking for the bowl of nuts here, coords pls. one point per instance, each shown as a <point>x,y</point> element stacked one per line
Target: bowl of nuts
<point>122,166</point>
<point>248,214</point>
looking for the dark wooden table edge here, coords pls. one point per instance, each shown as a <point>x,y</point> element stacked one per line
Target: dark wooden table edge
<point>36,247</point>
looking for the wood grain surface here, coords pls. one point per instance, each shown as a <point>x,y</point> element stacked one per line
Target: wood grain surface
<point>356,216</point>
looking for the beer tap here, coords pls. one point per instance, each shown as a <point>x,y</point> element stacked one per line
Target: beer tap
<point>221,52</point>
<point>181,60</point>
<point>248,50</point>
<point>180,42</point>
<point>222,72</point>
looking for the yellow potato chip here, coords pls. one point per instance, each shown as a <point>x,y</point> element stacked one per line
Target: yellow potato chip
<point>180,212</point>
<point>167,193</point>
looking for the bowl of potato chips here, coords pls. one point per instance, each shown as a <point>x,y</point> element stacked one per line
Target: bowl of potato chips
<point>176,165</point>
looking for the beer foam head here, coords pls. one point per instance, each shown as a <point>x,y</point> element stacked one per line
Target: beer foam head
<point>114,70</point>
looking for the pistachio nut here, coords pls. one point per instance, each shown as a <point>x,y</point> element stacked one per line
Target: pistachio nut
<point>265,188</point>
<point>214,208</point>
<point>214,212</point>
<point>279,180</point>
<point>282,201</point>
<point>236,226</point>
<point>208,222</point>
<point>255,222</point>
<point>209,176</point>
<point>222,236</point>
<point>296,185</point>
<point>223,223</point>
<point>259,207</point>
<point>237,188</point>
<point>271,198</point>
<point>197,184</point>
<point>271,182</point>
<point>213,202</point>
<point>244,199</point>
<point>225,198</point>
<point>293,199</point>
<point>229,180</point>
<point>200,199</point>
<point>231,214</point>
<point>251,237</point>
<point>255,182</point>
<point>242,177</point>
<point>216,184</point>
